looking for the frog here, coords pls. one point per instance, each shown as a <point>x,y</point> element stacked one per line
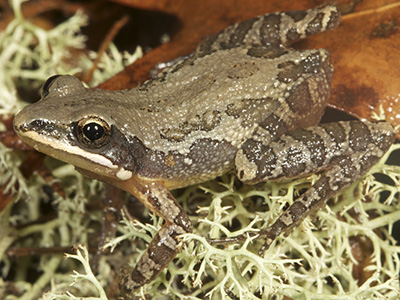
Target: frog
<point>244,102</point>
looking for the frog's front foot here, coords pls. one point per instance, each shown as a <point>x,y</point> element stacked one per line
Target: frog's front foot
<point>165,244</point>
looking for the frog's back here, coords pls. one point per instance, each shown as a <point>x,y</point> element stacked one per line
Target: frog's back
<point>226,95</point>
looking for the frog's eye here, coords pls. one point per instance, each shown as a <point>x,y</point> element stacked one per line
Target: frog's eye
<point>93,132</point>
<point>47,84</point>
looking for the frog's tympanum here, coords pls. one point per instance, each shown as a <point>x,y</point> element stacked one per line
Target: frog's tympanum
<point>242,101</point>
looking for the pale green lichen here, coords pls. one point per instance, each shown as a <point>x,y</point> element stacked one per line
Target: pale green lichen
<point>85,281</point>
<point>298,266</point>
<point>316,261</point>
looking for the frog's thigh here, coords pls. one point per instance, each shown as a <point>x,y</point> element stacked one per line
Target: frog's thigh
<point>346,150</point>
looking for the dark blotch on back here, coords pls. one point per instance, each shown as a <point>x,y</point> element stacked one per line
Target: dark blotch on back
<point>205,122</point>
<point>268,53</point>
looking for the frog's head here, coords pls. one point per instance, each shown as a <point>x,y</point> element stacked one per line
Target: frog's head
<point>78,125</point>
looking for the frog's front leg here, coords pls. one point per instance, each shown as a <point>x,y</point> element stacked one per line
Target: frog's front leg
<point>344,150</point>
<point>165,244</point>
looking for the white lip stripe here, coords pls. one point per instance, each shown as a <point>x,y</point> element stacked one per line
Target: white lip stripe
<point>68,149</point>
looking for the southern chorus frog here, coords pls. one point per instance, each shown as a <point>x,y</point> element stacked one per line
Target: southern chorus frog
<point>243,102</point>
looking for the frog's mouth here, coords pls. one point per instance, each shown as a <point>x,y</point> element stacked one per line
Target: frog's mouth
<point>55,140</point>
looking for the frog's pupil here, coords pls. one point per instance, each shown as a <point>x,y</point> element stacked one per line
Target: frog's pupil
<point>93,131</point>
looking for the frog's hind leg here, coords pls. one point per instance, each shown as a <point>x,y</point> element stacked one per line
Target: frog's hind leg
<point>272,31</point>
<point>345,151</point>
